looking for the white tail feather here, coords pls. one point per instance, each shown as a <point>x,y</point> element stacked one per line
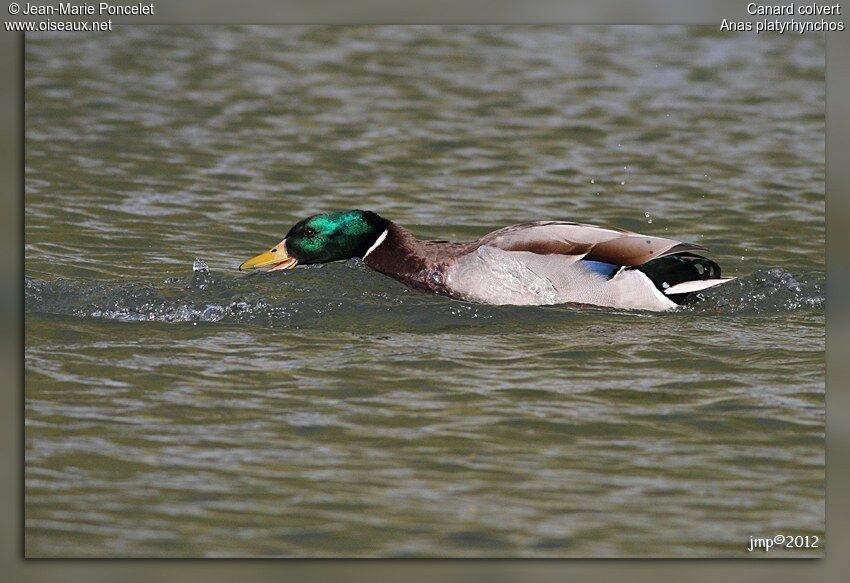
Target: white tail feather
<point>693,286</point>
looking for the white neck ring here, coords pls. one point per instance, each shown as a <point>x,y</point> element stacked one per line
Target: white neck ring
<point>377,242</point>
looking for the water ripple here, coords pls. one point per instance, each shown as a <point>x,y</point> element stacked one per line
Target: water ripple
<point>330,411</point>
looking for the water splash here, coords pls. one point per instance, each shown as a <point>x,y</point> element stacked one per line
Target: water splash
<point>353,292</point>
<point>201,276</point>
<point>764,291</point>
<point>202,297</point>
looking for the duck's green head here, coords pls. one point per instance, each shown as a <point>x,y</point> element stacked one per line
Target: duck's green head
<point>323,238</point>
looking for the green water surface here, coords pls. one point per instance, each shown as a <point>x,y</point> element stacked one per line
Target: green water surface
<point>329,411</point>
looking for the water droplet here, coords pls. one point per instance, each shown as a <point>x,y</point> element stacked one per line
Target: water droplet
<point>199,265</point>
<point>593,181</point>
<point>648,217</point>
<point>622,182</point>
<point>212,313</point>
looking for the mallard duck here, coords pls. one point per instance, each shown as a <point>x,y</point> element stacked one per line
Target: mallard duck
<point>546,262</point>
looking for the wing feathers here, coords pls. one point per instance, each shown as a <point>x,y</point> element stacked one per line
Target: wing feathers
<point>585,241</point>
<point>550,247</point>
<point>637,249</point>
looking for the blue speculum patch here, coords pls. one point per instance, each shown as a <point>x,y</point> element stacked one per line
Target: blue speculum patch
<point>606,269</point>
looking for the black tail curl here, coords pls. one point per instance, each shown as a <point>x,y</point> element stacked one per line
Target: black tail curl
<point>665,272</point>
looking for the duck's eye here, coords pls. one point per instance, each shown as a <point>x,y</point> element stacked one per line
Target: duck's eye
<point>309,232</point>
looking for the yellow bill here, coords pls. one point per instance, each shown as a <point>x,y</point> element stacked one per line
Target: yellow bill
<point>275,258</point>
